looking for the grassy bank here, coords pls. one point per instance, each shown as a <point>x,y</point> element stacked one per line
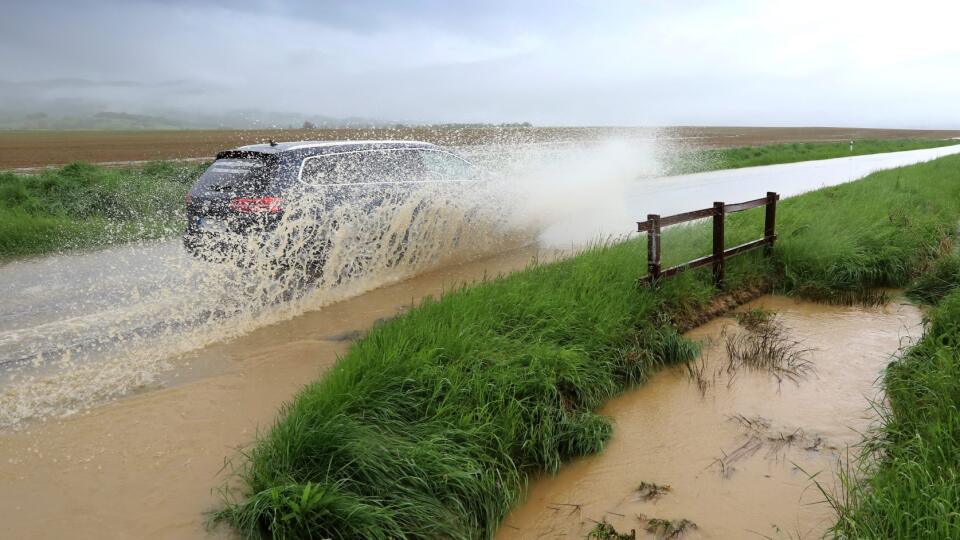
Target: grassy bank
<point>430,425</point>
<point>752,156</point>
<point>907,484</point>
<point>81,205</point>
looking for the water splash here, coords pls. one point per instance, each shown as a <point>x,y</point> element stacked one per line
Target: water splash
<point>100,325</point>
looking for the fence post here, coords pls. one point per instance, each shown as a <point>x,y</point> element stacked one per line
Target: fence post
<point>719,214</point>
<point>769,222</point>
<point>653,247</point>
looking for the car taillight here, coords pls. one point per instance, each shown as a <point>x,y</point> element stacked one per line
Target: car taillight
<point>253,205</point>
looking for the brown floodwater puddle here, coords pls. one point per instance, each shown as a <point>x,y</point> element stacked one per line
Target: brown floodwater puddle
<point>738,456</point>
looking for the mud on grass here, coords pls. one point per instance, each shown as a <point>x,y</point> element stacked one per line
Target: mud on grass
<point>664,529</point>
<point>647,491</point>
<point>661,529</point>
<point>605,531</point>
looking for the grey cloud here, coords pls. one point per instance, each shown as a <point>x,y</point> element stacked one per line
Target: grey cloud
<point>621,62</point>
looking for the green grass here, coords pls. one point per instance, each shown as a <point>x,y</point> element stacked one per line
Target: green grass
<point>432,423</point>
<point>81,206</point>
<point>839,242</point>
<point>751,156</point>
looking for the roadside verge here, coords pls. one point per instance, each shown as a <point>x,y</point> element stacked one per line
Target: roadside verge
<point>431,423</point>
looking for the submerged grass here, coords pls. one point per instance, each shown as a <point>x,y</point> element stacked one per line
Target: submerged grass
<point>649,490</point>
<point>82,205</point>
<point>431,424</point>
<point>752,156</point>
<point>765,345</point>
<point>605,531</point>
<point>664,529</point>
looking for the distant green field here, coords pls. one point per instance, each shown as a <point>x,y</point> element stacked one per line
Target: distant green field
<point>751,156</point>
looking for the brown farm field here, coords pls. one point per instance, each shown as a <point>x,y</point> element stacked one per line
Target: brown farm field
<point>28,149</point>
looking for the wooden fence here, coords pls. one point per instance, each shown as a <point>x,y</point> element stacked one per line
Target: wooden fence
<point>654,223</point>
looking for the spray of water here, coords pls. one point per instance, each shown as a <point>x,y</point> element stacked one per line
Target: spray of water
<point>102,325</point>
<point>572,193</point>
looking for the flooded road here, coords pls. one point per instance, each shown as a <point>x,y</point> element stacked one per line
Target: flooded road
<point>148,466</point>
<point>736,455</point>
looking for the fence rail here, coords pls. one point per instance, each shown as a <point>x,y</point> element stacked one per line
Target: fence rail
<point>654,223</point>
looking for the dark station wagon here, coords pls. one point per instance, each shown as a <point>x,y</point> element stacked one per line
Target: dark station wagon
<point>247,190</point>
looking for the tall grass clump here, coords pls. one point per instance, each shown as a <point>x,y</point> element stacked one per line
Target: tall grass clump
<point>907,484</point>
<point>940,280</point>
<point>82,205</point>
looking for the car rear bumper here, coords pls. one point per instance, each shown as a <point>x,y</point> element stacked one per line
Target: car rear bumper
<point>210,247</point>
<point>215,237</point>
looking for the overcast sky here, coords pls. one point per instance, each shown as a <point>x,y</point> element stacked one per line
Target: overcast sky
<point>849,63</point>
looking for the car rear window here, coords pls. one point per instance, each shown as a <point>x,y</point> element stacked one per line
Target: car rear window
<point>236,175</point>
<point>372,166</point>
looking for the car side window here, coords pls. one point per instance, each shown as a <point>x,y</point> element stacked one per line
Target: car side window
<point>371,166</point>
<point>323,170</point>
<point>446,167</point>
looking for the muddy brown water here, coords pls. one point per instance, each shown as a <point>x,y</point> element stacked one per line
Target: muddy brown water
<point>148,466</point>
<point>730,480</point>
